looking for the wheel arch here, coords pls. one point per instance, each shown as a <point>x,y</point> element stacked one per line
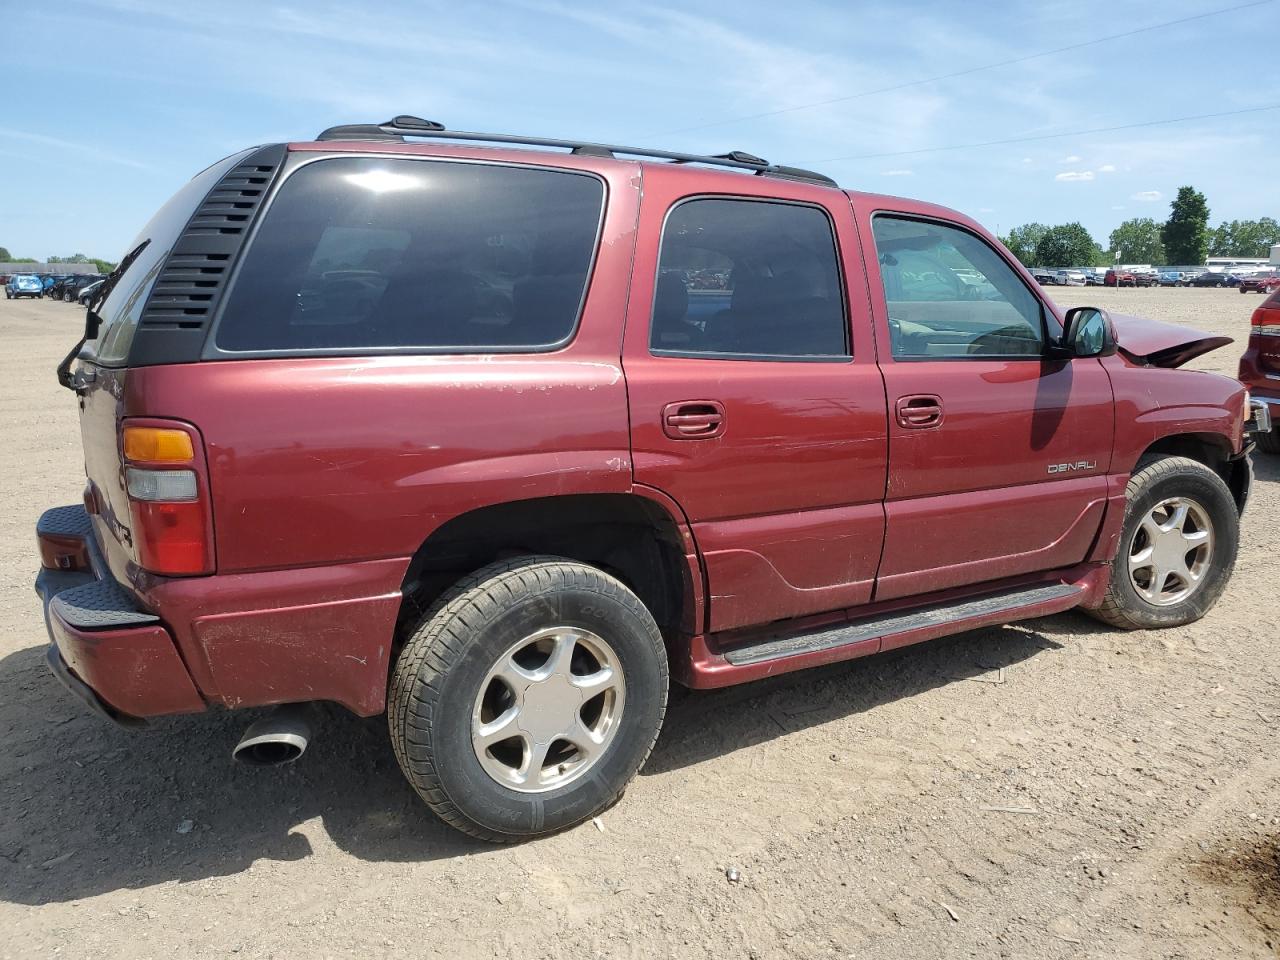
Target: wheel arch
<point>637,537</point>
<point>1214,451</point>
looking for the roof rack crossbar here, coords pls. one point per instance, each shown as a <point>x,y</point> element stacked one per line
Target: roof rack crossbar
<point>404,126</point>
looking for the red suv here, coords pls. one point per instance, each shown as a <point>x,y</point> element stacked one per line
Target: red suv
<point>1260,365</point>
<point>496,439</point>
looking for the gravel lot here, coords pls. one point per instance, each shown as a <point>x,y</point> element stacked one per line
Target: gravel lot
<point>1137,775</point>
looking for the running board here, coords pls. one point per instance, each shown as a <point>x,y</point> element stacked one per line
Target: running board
<point>908,621</point>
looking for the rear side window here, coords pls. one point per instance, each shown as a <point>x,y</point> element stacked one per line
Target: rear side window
<point>748,279</point>
<point>416,255</point>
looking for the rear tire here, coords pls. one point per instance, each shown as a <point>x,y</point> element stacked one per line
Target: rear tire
<point>1169,572</point>
<point>474,669</point>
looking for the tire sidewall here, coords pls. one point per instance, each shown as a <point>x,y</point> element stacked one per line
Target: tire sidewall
<point>1194,484</point>
<point>499,808</point>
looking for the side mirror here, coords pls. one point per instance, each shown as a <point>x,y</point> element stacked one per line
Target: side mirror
<point>1089,332</point>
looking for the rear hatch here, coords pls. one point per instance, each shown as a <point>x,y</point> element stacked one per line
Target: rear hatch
<point>98,368</point>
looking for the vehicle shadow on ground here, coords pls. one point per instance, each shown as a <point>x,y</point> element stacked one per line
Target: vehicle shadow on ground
<point>89,808</point>
<point>701,725</point>
<point>1266,466</point>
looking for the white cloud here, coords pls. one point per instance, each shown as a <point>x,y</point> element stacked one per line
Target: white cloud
<point>1148,196</point>
<point>1026,159</point>
<point>1074,176</point>
<point>86,149</point>
<point>896,173</point>
<point>1107,168</point>
<point>1071,159</point>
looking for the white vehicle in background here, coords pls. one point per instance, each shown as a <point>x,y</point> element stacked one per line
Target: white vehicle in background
<point>1071,278</point>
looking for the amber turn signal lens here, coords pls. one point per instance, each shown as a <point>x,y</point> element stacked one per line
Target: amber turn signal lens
<point>157,445</point>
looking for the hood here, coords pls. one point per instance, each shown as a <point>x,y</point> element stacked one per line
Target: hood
<point>1155,343</point>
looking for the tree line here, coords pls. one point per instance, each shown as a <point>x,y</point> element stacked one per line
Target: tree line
<point>104,266</point>
<point>1184,238</point>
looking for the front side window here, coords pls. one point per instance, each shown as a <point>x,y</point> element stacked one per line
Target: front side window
<point>366,253</point>
<point>950,295</point>
<point>748,279</point>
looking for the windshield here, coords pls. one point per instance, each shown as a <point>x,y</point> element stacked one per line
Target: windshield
<point>129,291</point>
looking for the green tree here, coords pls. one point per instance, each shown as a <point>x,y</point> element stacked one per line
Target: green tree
<point>5,255</point>
<point>1185,234</point>
<point>1022,241</point>
<point>1138,241</point>
<point>104,266</point>
<point>1066,245</point>
<point>1244,238</point>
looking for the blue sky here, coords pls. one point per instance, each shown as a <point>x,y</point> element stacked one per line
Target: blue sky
<point>158,89</point>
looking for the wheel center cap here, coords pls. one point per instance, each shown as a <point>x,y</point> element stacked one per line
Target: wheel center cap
<point>550,708</point>
<point>1170,550</point>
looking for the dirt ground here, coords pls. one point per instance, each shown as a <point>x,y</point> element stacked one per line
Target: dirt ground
<point>1053,789</point>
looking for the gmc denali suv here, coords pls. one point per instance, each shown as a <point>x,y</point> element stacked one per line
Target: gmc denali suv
<point>497,435</point>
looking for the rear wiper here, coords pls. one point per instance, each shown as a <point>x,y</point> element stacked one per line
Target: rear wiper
<point>92,321</point>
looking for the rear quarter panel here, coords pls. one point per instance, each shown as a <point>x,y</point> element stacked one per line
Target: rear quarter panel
<point>335,460</point>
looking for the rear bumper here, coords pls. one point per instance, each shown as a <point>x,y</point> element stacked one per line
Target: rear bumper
<point>120,660</point>
<point>232,639</point>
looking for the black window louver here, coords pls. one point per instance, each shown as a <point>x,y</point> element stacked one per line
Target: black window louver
<point>175,319</point>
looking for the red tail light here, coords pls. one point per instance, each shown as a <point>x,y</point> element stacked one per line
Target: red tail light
<point>168,497</point>
<point>1266,319</point>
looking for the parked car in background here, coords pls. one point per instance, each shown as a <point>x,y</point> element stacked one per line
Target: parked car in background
<point>1071,278</point>
<point>1145,278</point>
<point>55,290</point>
<point>609,499</point>
<point>1044,277</point>
<point>1172,278</point>
<point>1260,366</point>
<point>71,288</point>
<point>87,292</point>
<point>1093,277</point>
<point>1119,278</point>
<point>1211,279</point>
<point>23,285</point>
<point>1260,283</point>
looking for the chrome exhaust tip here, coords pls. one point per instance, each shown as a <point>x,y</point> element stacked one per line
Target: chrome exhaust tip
<point>279,737</point>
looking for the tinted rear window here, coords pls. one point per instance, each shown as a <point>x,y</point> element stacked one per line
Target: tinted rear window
<point>361,253</point>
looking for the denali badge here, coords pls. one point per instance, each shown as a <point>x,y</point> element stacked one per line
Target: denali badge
<point>1072,467</point>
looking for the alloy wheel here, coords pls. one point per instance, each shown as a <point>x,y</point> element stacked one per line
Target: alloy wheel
<point>1171,551</point>
<point>548,710</point>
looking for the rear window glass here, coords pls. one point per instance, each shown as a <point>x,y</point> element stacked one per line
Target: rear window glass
<point>369,253</point>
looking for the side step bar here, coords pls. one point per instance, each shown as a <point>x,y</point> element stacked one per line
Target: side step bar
<point>886,626</point>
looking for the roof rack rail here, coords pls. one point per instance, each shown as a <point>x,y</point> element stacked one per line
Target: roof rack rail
<point>398,128</point>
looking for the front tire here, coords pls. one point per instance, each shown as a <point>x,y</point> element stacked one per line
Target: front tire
<point>1177,547</point>
<point>527,697</point>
